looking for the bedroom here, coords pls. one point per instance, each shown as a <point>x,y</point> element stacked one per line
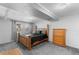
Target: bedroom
<point>22,23</point>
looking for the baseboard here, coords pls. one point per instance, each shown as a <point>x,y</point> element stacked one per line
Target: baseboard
<point>6,43</point>
<point>73,47</point>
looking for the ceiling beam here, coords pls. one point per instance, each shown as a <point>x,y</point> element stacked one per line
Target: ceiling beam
<point>43,9</point>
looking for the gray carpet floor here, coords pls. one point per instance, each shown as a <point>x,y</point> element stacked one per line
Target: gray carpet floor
<point>42,49</point>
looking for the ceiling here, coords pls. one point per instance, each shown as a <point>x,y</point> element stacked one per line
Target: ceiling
<point>26,10</point>
<point>21,7</point>
<point>58,10</point>
<point>62,9</point>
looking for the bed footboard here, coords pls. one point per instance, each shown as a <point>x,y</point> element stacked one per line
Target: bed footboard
<point>26,41</point>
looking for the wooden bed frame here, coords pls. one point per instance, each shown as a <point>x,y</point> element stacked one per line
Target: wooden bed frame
<point>26,41</point>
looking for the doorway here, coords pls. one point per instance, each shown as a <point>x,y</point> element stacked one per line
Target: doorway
<point>18,27</point>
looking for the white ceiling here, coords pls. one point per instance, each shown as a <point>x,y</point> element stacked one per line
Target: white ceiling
<point>21,7</point>
<point>24,12</point>
<point>63,9</point>
<point>29,13</point>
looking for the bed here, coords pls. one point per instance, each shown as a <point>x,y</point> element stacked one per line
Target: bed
<point>30,41</point>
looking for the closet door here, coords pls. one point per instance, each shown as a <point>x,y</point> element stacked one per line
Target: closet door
<point>59,37</point>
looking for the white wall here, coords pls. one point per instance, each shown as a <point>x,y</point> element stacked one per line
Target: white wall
<point>2,10</point>
<point>14,31</point>
<point>71,24</point>
<point>42,24</point>
<point>26,28</point>
<point>5,31</point>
